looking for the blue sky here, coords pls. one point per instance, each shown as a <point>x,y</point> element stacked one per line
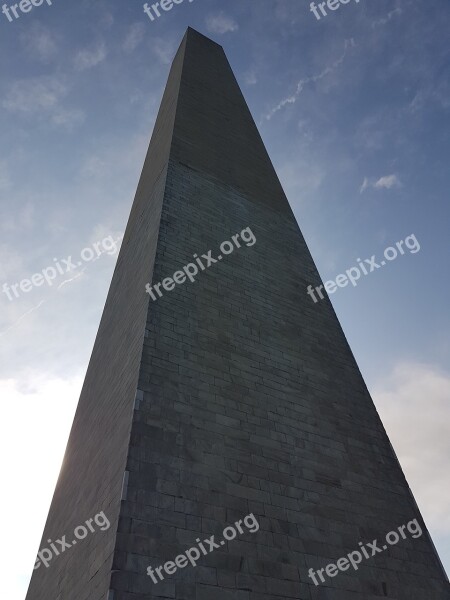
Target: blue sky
<point>354,110</point>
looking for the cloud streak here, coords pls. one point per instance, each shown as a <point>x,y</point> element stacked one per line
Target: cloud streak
<point>221,24</point>
<point>2,333</point>
<point>387,182</point>
<point>313,79</point>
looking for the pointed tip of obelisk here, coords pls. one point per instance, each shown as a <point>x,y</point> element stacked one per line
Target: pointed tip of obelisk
<point>192,33</point>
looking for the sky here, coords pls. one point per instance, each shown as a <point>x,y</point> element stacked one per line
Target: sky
<point>354,110</point>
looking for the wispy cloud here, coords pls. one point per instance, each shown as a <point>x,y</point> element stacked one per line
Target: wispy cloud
<point>220,23</point>
<point>313,79</point>
<point>68,118</point>
<point>39,42</point>
<point>250,77</point>
<point>42,97</point>
<point>66,281</point>
<point>386,182</point>
<point>89,58</point>
<point>387,18</point>
<point>34,95</point>
<point>134,37</point>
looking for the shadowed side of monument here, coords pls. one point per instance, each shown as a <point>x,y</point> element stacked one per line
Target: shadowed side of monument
<point>92,473</point>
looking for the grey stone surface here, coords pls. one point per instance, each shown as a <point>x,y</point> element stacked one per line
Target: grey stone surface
<point>251,398</point>
<point>92,473</point>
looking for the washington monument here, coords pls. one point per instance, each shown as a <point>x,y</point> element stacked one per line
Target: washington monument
<point>230,397</point>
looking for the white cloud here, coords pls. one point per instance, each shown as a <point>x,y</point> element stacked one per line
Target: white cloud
<point>94,166</point>
<point>67,118</point>
<point>386,182</point>
<point>134,37</point>
<point>44,407</point>
<point>89,58</point>
<point>42,97</point>
<point>414,406</point>
<point>313,79</point>
<point>432,93</point>
<point>220,24</point>
<point>250,77</point>
<point>34,95</point>
<point>39,42</point>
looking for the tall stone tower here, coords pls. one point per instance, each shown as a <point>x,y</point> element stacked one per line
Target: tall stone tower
<point>227,396</point>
